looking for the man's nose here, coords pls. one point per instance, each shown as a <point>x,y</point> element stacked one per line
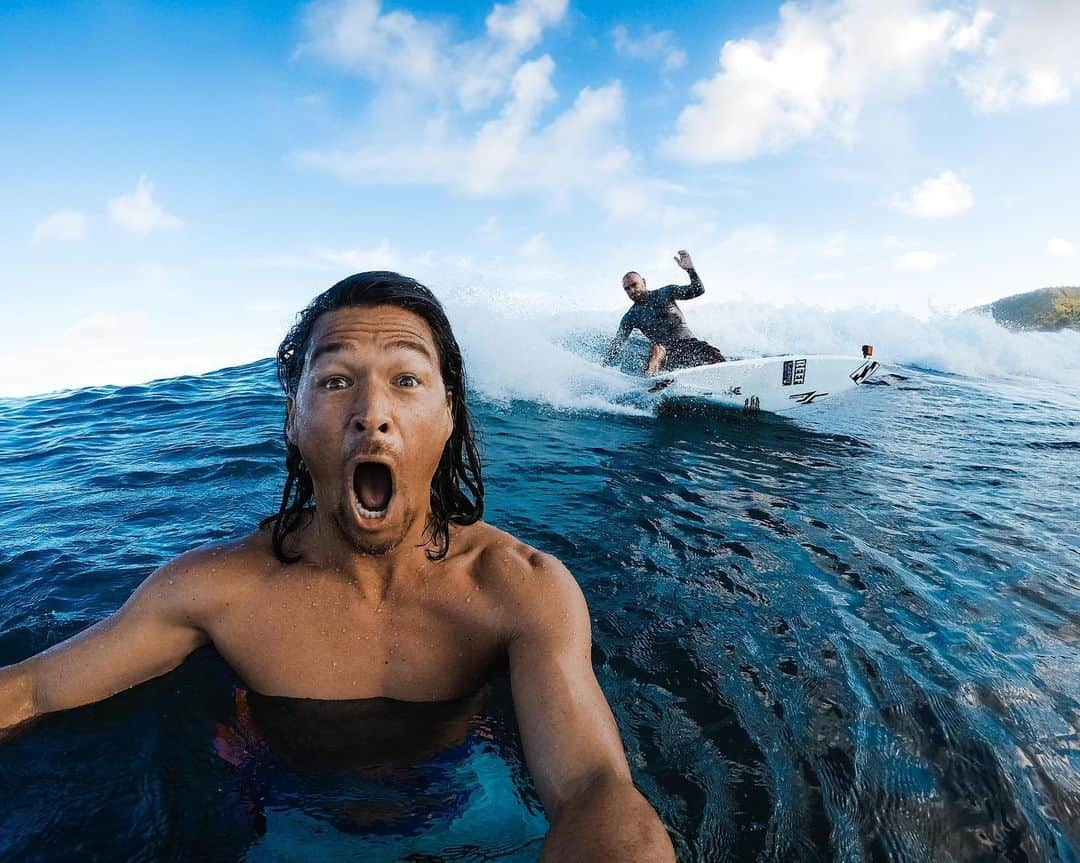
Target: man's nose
<point>371,410</point>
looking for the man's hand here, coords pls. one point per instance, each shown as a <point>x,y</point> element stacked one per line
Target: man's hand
<point>683,260</point>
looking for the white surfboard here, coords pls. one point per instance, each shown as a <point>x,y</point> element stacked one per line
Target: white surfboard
<point>775,384</point>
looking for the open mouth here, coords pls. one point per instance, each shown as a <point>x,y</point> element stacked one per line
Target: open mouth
<point>373,486</point>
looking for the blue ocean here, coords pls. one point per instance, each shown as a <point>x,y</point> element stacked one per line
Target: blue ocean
<point>851,634</point>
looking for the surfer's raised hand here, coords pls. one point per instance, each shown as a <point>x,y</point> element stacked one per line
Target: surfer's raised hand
<point>683,260</point>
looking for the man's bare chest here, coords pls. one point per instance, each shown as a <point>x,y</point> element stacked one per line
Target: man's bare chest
<point>310,640</point>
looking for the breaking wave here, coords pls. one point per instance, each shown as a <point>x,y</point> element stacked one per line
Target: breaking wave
<point>556,358</point>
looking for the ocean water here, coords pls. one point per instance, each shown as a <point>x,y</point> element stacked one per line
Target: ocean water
<point>851,635</point>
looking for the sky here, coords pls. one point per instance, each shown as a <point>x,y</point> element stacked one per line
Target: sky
<point>180,179</point>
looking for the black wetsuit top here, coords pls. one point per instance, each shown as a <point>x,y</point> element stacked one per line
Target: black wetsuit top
<point>657,316</point>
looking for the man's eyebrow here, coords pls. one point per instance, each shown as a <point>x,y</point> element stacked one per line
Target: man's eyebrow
<point>327,348</point>
<point>414,345</point>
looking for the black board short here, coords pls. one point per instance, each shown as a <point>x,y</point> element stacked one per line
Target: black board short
<point>690,352</point>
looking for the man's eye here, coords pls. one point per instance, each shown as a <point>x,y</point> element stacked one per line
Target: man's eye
<point>407,381</point>
<point>336,382</point>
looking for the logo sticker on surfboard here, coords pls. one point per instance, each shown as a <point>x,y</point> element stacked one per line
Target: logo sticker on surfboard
<point>863,372</point>
<point>794,372</point>
<point>807,398</point>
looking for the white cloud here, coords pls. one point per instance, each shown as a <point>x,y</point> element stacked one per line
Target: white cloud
<point>834,246</point>
<point>490,230</point>
<point>813,76</point>
<point>824,63</point>
<point>522,23</point>
<point>654,47</point>
<point>381,257</point>
<point>139,213</point>
<point>106,348</point>
<point>938,197</point>
<point>626,200</point>
<point>487,123</point>
<point>973,36</point>
<point>1026,55</point>
<point>400,49</point>
<point>512,153</point>
<point>64,226</point>
<point>356,35</point>
<point>94,325</point>
<point>1060,247</point>
<point>754,239</point>
<point>918,260</point>
<point>537,246</point>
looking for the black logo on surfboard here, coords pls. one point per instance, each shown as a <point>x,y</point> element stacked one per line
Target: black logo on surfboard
<point>863,372</point>
<point>794,372</point>
<point>807,398</point>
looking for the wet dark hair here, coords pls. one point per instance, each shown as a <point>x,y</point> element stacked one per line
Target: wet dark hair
<point>457,488</point>
<point>633,273</point>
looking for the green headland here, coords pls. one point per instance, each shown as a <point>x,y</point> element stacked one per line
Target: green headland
<point>1044,309</point>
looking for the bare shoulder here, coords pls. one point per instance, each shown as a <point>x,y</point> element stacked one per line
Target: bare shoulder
<point>534,587</point>
<point>205,579</point>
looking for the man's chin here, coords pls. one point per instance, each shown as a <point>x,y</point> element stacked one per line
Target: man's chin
<point>376,542</point>
<point>376,549</point>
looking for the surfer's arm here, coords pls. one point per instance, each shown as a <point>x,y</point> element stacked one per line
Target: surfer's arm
<point>621,335</point>
<point>571,742</point>
<point>149,635</point>
<point>689,292</point>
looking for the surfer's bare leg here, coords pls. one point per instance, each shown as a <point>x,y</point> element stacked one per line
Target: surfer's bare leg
<point>656,357</point>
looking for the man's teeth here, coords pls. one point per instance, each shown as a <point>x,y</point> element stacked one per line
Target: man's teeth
<point>370,513</point>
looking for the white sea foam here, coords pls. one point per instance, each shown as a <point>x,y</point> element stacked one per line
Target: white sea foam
<point>553,358</point>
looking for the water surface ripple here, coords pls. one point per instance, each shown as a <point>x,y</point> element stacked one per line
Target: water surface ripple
<point>852,638</point>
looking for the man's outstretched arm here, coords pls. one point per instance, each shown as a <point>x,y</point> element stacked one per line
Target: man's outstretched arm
<point>695,288</point>
<point>621,336</point>
<point>571,743</point>
<point>149,635</point>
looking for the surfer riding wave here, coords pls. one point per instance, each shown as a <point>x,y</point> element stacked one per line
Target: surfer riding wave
<point>661,321</point>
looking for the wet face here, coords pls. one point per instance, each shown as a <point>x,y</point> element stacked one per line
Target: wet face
<point>634,285</point>
<point>371,417</point>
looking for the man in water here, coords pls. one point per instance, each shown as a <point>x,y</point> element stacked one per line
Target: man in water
<point>377,579</point>
<point>662,322</point>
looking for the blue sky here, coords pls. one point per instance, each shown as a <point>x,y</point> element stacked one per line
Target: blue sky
<point>181,178</point>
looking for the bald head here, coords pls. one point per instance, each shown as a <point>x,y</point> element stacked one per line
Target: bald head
<point>634,285</point>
